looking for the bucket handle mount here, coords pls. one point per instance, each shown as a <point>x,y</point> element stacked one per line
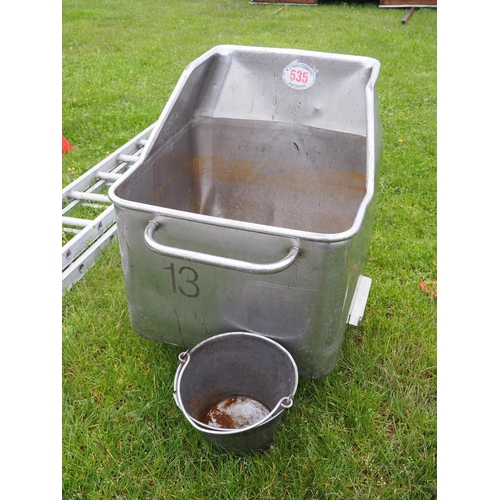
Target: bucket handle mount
<point>214,260</point>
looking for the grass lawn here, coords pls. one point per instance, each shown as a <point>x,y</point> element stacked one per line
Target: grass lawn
<point>368,430</point>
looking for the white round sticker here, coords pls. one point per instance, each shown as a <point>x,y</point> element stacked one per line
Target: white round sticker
<point>299,76</point>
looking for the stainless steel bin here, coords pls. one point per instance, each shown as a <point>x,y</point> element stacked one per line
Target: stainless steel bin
<point>252,205</point>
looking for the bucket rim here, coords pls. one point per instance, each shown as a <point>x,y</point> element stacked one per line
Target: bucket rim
<point>274,413</point>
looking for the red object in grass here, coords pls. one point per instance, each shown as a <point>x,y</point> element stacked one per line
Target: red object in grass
<point>66,146</point>
<point>429,288</point>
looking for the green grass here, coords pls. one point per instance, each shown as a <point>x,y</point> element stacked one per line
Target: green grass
<point>366,431</point>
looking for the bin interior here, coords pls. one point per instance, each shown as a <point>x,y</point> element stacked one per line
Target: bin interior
<point>238,143</point>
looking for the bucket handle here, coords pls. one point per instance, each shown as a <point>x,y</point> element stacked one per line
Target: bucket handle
<point>214,260</point>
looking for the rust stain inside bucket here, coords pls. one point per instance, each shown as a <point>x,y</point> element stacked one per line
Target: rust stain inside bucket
<point>235,412</point>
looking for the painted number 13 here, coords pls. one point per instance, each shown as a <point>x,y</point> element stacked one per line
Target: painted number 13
<point>192,290</point>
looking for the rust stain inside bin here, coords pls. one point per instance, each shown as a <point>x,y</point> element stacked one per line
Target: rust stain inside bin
<point>235,412</point>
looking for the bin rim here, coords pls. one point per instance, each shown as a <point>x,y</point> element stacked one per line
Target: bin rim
<point>370,92</point>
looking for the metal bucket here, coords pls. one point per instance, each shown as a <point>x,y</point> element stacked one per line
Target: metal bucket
<point>252,205</point>
<point>234,387</point>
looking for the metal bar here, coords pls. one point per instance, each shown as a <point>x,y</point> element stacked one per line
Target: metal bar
<point>80,266</point>
<point>128,158</point>
<point>79,195</point>
<point>81,241</point>
<point>407,16</point>
<point>77,202</point>
<point>109,176</point>
<point>67,209</point>
<point>74,221</point>
<point>359,300</point>
<point>218,261</point>
<point>93,205</point>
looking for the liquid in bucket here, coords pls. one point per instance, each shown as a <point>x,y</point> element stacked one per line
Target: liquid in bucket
<point>235,412</point>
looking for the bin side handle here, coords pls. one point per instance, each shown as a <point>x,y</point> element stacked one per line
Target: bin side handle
<point>214,260</point>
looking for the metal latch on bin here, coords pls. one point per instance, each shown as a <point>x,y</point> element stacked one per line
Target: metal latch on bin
<point>359,300</point>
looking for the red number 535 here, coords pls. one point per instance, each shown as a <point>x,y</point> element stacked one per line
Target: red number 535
<point>298,76</point>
